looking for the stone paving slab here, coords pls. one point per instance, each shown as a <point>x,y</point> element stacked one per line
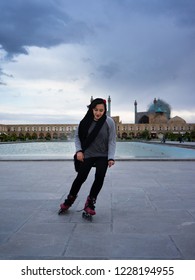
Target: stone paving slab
<point>145,210</point>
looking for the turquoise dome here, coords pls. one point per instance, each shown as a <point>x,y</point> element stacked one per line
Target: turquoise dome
<point>160,106</point>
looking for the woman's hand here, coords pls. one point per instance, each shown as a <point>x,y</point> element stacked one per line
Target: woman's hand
<point>111,163</point>
<point>80,156</point>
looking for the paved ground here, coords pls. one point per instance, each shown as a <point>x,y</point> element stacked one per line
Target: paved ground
<point>146,210</point>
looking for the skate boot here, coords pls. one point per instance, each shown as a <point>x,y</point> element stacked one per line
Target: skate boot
<point>89,209</point>
<point>67,204</point>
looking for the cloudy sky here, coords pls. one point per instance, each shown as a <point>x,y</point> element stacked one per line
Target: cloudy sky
<point>56,54</point>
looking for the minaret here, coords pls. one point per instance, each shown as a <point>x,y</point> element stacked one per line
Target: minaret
<point>135,104</point>
<point>91,99</point>
<point>109,106</point>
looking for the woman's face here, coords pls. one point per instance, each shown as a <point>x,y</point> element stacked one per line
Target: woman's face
<point>98,111</point>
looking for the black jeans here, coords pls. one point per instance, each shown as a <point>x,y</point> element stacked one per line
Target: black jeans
<point>101,165</point>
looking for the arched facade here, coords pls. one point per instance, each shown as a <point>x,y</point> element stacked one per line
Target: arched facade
<point>39,132</point>
<point>153,123</point>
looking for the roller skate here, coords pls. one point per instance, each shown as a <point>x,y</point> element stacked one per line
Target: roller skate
<point>89,209</point>
<point>67,204</point>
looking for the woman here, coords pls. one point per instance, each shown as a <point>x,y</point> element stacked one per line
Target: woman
<point>95,142</point>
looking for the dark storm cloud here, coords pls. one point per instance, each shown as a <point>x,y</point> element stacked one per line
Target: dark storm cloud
<point>108,70</point>
<point>152,44</point>
<point>37,23</point>
<point>182,10</point>
<point>130,49</point>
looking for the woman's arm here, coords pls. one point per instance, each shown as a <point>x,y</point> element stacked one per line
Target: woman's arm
<point>111,139</point>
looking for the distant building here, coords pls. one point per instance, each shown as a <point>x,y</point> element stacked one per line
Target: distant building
<point>156,121</point>
<point>157,109</point>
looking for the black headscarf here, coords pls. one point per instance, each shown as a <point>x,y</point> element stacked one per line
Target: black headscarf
<point>86,122</point>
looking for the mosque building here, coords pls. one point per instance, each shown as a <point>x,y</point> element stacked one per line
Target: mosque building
<point>158,111</point>
<point>155,122</point>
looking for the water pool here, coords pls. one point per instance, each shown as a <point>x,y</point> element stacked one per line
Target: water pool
<point>65,150</point>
